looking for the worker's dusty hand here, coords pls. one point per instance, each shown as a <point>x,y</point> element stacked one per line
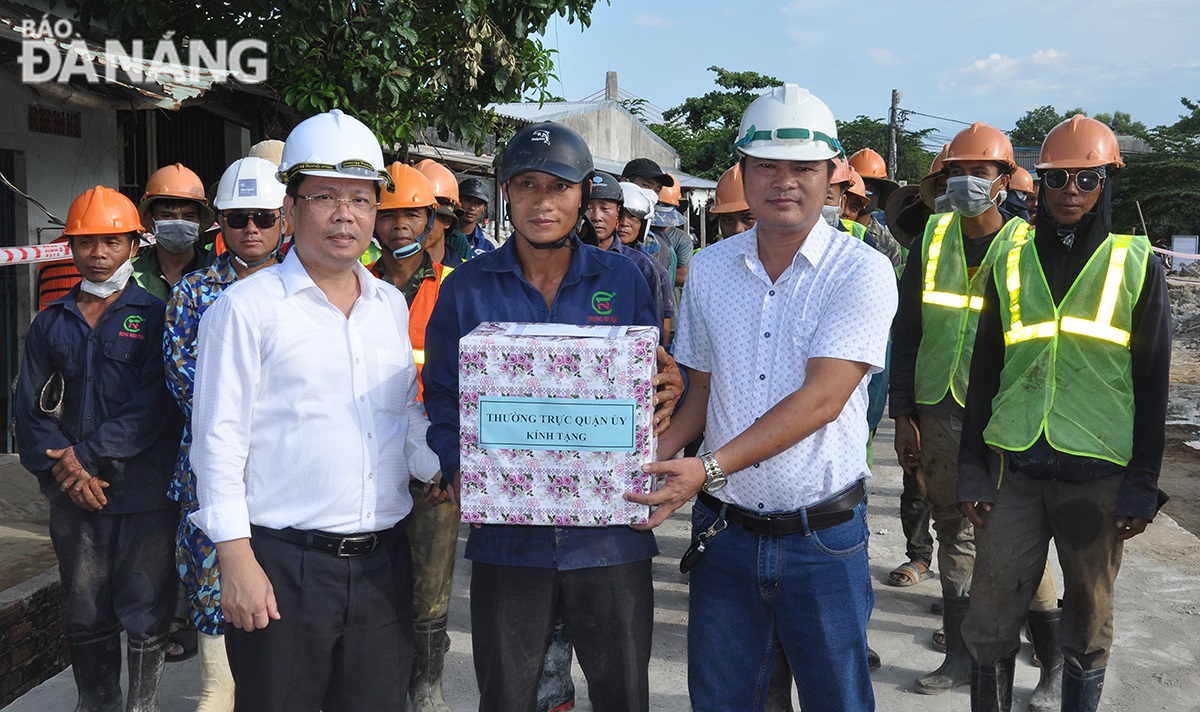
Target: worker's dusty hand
<point>972,511</point>
<point>668,384</point>
<point>247,597</point>
<point>67,472</point>
<point>435,494</point>
<point>88,493</point>
<point>1129,527</point>
<point>908,443</point>
<point>685,477</point>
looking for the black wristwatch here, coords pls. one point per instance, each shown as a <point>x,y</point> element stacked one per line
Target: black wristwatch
<point>714,476</point>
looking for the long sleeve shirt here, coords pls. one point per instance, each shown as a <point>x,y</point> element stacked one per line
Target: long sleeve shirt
<point>491,287</point>
<point>116,410</point>
<point>194,294</point>
<point>303,417</point>
<point>1150,350</point>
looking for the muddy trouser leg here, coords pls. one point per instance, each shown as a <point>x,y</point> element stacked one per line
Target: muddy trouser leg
<point>939,466</point>
<point>433,538</point>
<point>556,689</point>
<point>915,519</point>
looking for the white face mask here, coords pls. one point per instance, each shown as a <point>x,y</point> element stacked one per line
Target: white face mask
<point>176,235</point>
<point>971,196</point>
<point>110,286</point>
<point>831,214</point>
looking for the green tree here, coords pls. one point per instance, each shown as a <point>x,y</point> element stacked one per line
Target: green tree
<point>703,129</point>
<point>912,160</point>
<point>1164,184</point>
<point>1122,123</point>
<point>1031,129</point>
<point>1181,137</point>
<point>399,65</point>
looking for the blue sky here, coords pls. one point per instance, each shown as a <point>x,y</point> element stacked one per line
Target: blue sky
<point>969,61</point>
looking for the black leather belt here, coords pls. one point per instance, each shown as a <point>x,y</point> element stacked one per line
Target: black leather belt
<point>836,510</point>
<point>343,545</point>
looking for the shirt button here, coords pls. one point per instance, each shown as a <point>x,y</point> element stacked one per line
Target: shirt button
<point>770,294</point>
<point>371,475</point>
<point>760,505</point>
<point>756,465</point>
<point>369,436</point>
<point>362,398</point>
<point>355,360</point>
<point>767,335</point>
<point>762,376</point>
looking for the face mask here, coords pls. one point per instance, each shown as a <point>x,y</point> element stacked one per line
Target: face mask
<point>176,235</point>
<point>831,214</point>
<point>941,204</point>
<point>971,196</point>
<point>110,286</point>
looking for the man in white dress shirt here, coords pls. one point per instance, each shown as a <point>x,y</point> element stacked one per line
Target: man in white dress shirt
<point>780,328</point>
<point>307,429</point>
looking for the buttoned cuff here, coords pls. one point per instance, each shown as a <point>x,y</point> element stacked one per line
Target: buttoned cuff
<point>225,523</point>
<point>1138,496</point>
<point>975,482</point>
<point>423,464</point>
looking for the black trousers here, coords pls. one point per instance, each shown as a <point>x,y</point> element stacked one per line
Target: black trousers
<point>118,569</point>
<point>343,642</point>
<point>609,613</point>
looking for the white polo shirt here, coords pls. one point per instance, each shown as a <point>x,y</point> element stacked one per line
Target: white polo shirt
<point>835,300</point>
<point>304,417</point>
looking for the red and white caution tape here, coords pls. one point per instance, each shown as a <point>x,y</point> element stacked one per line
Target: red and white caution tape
<point>1164,251</point>
<point>31,254</point>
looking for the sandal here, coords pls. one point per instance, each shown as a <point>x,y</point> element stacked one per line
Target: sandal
<point>182,644</point>
<point>910,573</point>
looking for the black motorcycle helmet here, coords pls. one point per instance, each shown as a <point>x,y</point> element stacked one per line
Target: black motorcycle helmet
<point>560,151</point>
<point>606,187</point>
<point>474,188</point>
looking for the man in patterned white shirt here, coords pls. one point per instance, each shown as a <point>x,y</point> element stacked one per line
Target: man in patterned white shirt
<point>780,328</point>
<point>306,430</point>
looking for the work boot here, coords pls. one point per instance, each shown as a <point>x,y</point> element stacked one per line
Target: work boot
<point>429,660</point>
<point>1081,688</point>
<point>1043,630</point>
<point>956,668</point>
<point>216,680</point>
<point>147,658</point>
<point>96,664</point>
<point>991,686</point>
<point>779,687</point>
<point>556,689</point>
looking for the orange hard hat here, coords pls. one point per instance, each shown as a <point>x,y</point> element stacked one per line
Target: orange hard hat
<point>858,187</point>
<point>869,164</point>
<point>731,196</point>
<point>1021,180</point>
<point>102,211</point>
<point>939,162</point>
<point>929,182</point>
<point>1080,142</point>
<point>445,185</point>
<point>175,181</point>
<point>980,142</point>
<point>841,170</point>
<point>413,189</point>
<point>671,194</point>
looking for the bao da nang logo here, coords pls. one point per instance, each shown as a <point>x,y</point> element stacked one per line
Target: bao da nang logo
<point>602,303</point>
<point>52,51</point>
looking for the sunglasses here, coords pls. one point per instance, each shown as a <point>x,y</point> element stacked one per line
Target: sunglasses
<point>1087,179</point>
<point>263,219</point>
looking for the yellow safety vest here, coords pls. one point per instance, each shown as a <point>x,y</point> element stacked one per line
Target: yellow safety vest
<point>1067,368</point>
<point>951,299</point>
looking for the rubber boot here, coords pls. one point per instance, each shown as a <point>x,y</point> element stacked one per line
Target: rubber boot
<point>429,660</point>
<point>556,689</point>
<point>96,664</point>
<point>1081,688</point>
<point>216,680</point>
<point>1043,630</point>
<point>779,687</point>
<point>147,658</point>
<point>991,686</point>
<point>956,668</point>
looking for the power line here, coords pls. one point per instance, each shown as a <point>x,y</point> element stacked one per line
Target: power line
<point>932,116</point>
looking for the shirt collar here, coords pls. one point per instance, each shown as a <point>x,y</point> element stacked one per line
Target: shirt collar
<point>222,271</point>
<point>295,277</point>
<point>583,259</point>
<point>811,249</point>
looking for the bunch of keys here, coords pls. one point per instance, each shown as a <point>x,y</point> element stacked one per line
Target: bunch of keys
<point>691,557</point>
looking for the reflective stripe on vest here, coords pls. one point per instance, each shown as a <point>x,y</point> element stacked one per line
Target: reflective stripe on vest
<point>931,295</point>
<point>421,312</point>
<point>1099,328</point>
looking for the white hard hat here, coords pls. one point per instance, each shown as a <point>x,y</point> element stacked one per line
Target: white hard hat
<point>333,145</point>
<point>249,183</point>
<point>639,201</point>
<point>788,124</point>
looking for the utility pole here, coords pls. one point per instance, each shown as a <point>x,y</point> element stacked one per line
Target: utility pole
<point>893,134</point>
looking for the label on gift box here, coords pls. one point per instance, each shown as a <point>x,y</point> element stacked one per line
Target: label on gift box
<point>556,424</point>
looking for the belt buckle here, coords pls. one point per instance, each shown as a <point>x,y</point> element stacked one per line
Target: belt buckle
<point>341,547</point>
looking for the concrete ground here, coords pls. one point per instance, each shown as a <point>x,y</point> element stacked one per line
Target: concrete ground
<point>1153,666</point>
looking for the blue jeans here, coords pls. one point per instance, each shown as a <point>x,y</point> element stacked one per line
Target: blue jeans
<point>813,588</point>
